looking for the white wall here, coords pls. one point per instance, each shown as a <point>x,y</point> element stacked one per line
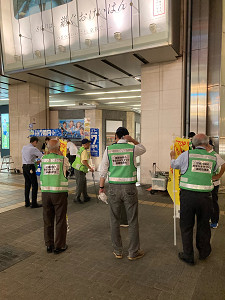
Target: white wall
<point>161,115</point>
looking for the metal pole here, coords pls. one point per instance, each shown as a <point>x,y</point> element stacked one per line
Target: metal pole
<point>174,203</point>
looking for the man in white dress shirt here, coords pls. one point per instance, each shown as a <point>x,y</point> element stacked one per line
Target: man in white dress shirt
<point>29,154</point>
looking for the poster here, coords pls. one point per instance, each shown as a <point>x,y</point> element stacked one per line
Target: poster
<point>72,128</point>
<point>63,147</point>
<point>5,130</point>
<point>94,142</point>
<point>180,145</point>
<point>24,8</point>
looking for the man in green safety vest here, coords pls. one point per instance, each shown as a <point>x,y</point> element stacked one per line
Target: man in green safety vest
<point>119,162</point>
<point>198,168</point>
<point>54,187</point>
<point>81,166</point>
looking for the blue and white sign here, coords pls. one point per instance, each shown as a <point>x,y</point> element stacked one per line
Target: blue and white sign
<point>94,142</point>
<point>46,132</point>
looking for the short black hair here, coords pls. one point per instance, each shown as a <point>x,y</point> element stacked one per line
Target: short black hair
<point>47,138</point>
<point>191,134</point>
<point>121,131</point>
<point>33,139</point>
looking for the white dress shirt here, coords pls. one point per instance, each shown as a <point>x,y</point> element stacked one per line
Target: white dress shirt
<point>139,149</point>
<point>72,148</point>
<point>29,154</point>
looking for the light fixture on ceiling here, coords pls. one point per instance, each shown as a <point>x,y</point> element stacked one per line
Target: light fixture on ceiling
<point>117,36</point>
<point>88,42</point>
<point>115,102</point>
<point>62,48</point>
<point>37,53</point>
<point>111,98</point>
<point>17,57</point>
<point>153,28</point>
<point>112,92</point>
<point>138,78</point>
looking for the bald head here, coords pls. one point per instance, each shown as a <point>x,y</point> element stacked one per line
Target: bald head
<point>200,140</point>
<point>53,146</point>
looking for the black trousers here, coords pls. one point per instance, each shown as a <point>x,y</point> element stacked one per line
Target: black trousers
<point>55,208</point>
<point>29,173</point>
<point>195,204</point>
<point>215,212</point>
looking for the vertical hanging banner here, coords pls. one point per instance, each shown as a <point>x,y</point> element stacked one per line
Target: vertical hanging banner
<point>180,145</point>
<point>95,142</point>
<point>87,128</point>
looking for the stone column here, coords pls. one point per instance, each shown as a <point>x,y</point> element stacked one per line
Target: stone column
<point>131,123</point>
<point>95,116</point>
<point>28,103</point>
<point>161,114</point>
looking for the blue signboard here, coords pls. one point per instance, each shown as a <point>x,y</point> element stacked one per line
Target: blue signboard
<point>94,142</point>
<point>55,132</point>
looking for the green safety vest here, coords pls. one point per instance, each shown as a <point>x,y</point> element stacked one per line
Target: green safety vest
<point>77,163</point>
<point>121,164</point>
<point>52,177</point>
<point>198,176</point>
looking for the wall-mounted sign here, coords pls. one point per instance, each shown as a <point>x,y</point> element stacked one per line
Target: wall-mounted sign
<point>94,142</point>
<point>5,130</point>
<point>49,31</point>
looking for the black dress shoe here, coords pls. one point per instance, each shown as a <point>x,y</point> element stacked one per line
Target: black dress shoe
<point>27,205</point>
<point>50,249</point>
<point>36,206</point>
<point>87,199</point>
<point>189,261</point>
<point>60,250</point>
<point>203,257</point>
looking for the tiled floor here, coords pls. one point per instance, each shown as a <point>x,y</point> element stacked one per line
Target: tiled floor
<point>88,269</point>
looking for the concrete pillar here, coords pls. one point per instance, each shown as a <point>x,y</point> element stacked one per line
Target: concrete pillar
<point>161,116</point>
<point>96,122</point>
<point>53,119</point>
<point>28,103</point>
<point>131,123</point>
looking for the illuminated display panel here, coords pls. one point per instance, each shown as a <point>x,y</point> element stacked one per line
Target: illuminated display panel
<point>42,32</point>
<point>5,130</point>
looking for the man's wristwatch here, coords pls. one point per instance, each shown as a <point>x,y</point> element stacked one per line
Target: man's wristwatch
<point>101,187</point>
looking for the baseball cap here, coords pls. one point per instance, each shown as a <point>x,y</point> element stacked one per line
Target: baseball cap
<point>122,131</point>
<point>85,141</point>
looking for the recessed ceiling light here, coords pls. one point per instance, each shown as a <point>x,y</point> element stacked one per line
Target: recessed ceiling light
<point>63,105</point>
<point>112,92</point>
<point>51,101</point>
<point>127,97</point>
<point>114,102</point>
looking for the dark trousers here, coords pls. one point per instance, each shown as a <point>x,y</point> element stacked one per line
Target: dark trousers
<point>124,194</point>
<point>195,204</point>
<point>215,212</point>
<point>81,182</point>
<point>123,215</point>
<point>55,207</point>
<point>71,160</point>
<point>29,173</point>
